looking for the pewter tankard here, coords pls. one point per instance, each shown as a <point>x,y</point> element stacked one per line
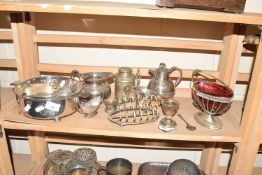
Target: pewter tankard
<point>161,83</point>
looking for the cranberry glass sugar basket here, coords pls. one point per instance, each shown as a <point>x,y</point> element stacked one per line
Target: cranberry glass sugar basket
<point>213,98</point>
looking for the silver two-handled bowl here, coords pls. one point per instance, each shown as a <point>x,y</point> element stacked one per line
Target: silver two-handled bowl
<point>47,97</point>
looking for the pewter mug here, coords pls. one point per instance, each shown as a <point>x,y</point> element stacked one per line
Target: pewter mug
<point>117,166</point>
<point>161,82</point>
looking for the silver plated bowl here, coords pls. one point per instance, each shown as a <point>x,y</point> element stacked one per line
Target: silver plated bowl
<point>47,97</point>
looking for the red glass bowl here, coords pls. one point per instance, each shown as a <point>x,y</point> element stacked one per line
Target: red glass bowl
<point>212,97</point>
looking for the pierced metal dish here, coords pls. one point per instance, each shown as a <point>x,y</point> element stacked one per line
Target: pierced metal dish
<point>47,97</point>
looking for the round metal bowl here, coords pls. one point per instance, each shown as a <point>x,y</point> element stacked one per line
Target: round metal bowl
<point>95,83</point>
<point>183,166</point>
<point>47,97</point>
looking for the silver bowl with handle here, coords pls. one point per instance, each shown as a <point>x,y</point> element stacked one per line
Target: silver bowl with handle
<point>47,97</point>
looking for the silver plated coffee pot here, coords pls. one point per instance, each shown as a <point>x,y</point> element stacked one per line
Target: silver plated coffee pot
<point>161,82</point>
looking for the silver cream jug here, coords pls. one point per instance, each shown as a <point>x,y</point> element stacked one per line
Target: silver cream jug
<point>161,82</point>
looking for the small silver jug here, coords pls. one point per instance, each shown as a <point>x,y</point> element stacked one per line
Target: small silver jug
<point>161,83</point>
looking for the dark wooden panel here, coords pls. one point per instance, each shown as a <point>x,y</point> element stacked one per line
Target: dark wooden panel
<point>236,6</point>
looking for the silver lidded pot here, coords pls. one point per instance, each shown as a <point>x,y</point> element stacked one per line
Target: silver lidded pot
<point>161,82</point>
<point>124,77</point>
<point>95,83</point>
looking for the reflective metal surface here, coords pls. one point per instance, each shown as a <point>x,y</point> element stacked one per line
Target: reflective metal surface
<point>47,97</point>
<point>95,83</point>
<point>80,162</point>
<point>89,107</point>
<point>117,166</point>
<point>153,168</point>
<point>161,82</point>
<point>137,106</point>
<point>161,168</point>
<point>124,77</point>
<point>183,167</point>
<point>188,125</point>
<point>169,108</point>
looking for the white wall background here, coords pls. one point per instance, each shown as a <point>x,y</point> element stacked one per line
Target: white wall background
<point>133,58</point>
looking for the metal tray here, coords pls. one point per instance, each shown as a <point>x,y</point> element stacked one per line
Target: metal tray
<point>153,168</point>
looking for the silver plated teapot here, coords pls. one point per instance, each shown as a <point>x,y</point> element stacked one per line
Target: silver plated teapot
<point>161,82</point>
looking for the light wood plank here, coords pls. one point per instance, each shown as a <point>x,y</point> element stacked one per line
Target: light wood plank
<point>230,56</point>
<point>6,63</point>
<point>245,153</point>
<point>60,68</point>
<point>25,49</point>
<point>5,160</point>
<point>5,35</point>
<point>100,126</point>
<point>122,9</point>
<point>27,58</point>
<point>130,143</point>
<point>210,157</point>
<point>130,41</point>
<point>38,146</point>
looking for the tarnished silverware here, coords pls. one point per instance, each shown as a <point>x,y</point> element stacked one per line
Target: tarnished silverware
<point>169,108</point>
<point>188,125</point>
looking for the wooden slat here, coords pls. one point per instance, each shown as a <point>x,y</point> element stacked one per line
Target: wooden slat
<point>245,153</point>
<point>38,146</point>
<point>208,157</point>
<point>59,68</point>
<point>100,126</point>
<point>6,35</point>
<point>122,9</point>
<point>230,56</point>
<point>124,143</point>
<point>130,41</point>
<point>5,160</point>
<point>7,63</point>
<point>25,50</point>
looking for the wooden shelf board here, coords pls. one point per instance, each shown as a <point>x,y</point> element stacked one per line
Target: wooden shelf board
<point>100,126</point>
<point>5,35</point>
<point>60,68</point>
<point>7,63</point>
<point>130,41</point>
<point>125,9</point>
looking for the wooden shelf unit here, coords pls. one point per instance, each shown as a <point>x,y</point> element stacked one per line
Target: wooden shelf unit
<point>245,135</point>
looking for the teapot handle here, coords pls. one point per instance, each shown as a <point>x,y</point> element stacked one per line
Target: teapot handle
<point>172,69</point>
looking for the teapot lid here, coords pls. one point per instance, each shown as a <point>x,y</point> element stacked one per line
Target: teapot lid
<point>162,67</point>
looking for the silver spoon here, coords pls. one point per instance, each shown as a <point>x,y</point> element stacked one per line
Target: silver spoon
<point>188,126</point>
